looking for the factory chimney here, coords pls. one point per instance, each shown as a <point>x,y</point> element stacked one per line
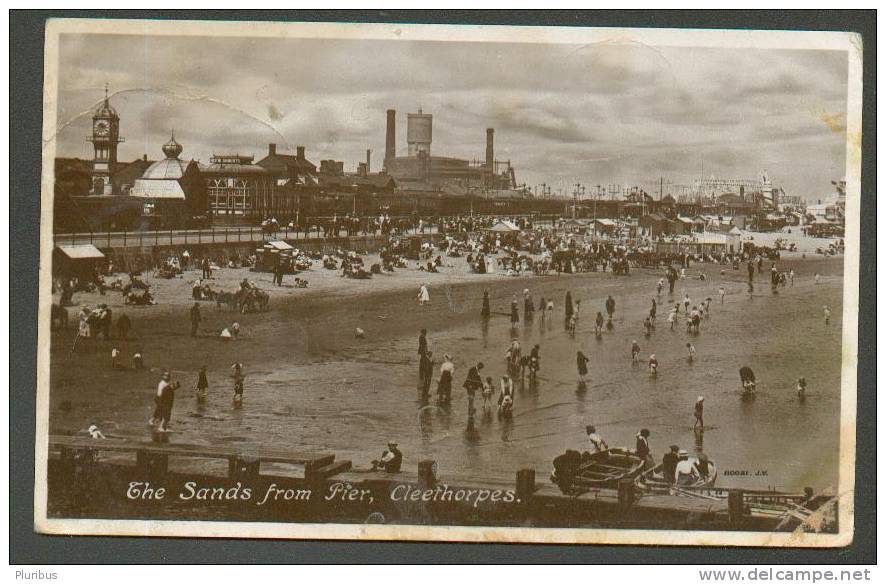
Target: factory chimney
<point>368,160</point>
<point>391,138</point>
<point>299,153</point>
<point>490,152</point>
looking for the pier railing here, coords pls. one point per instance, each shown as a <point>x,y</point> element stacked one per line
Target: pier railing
<point>174,237</point>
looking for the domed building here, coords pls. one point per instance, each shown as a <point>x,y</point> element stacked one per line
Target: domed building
<point>171,189</point>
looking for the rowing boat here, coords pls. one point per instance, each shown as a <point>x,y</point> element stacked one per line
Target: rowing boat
<point>654,479</point>
<point>600,470</point>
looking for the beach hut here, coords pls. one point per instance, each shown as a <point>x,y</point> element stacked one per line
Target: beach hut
<point>605,227</point>
<point>272,253</point>
<point>81,261</point>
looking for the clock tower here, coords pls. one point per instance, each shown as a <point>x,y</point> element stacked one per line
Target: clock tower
<point>105,137</point>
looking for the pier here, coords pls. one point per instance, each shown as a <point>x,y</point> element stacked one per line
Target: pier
<point>137,479</point>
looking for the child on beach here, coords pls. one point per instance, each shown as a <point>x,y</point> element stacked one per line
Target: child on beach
<point>817,278</point>
<point>827,314</point>
<point>487,393</point>
<point>672,318</point>
<point>653,365</point>
<point>137,360</point>
<point>635,352</point>
<point>722,292</point>
<point>115,358</point>
<point>691,349</point>
<point>801,386</point>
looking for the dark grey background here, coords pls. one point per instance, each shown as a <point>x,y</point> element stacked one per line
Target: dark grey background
<point>26,99</point>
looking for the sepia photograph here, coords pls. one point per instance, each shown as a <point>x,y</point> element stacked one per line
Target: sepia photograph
<point>449,283</point>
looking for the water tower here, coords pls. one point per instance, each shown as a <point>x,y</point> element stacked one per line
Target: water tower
<point>418,133</point>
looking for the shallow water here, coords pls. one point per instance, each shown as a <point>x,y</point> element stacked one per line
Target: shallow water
<point>354,400</point>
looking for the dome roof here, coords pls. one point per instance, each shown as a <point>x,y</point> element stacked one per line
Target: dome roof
<point>169,168</point>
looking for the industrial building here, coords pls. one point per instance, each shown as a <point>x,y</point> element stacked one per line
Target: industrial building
<point>419,170</point>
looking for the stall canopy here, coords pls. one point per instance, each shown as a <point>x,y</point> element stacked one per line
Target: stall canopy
<point>279,245</point>
<point>81,252</point>
<point>504,227</point>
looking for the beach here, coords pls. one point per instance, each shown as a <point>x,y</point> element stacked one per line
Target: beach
<point>311,383</point>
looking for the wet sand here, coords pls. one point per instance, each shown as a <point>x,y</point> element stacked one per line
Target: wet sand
<point>311,384</point>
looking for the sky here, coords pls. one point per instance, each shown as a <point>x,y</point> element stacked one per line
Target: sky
<point>615,112</point>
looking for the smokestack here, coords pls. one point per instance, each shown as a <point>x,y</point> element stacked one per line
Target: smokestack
<point>391,137</point>
<point>368,160</point>
<point>300,152</point>
<point>490,152</point>
<point>272,149</point>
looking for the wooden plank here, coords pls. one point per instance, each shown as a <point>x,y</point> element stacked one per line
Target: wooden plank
<point>193,450</point>
<point>325,472</point>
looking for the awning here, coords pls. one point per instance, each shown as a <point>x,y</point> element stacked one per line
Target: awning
<point>81,252</point>
<point>503,227</point>
<point>279,245</point>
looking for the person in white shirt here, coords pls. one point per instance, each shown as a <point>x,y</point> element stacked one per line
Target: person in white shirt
<point>595,441</point>
<point>686,473</point>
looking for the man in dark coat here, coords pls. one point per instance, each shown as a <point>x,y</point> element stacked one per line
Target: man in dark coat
<point>123,326</point>
<point>423,342</point>
<point>195,318</point>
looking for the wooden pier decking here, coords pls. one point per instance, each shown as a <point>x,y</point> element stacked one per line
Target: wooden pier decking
<point>76,462</point>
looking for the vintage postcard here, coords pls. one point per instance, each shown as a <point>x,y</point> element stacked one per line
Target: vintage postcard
<point>449,283</point>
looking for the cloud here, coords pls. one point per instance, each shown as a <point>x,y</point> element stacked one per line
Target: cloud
<point>611,112</point>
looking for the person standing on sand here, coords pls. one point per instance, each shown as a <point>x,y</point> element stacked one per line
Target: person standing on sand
<point>238,382</point>
<point>672,317</point>
<point>722,292</point>
<point>202,386</point>
<point>423,296</point>
<point>791,277</point>
<point>515,311</point>
<point>582,363</point>
<point>425,372</point>
<point>165,399</point>
<point>444,385</point>
<point>472,384</point>
<point>690,348</point>
<point>610,306</point>
<point>123,326</point>
<point>699,413</point>
<point>653,310</point>
<point>598,324</point>
<point>660,286</point>
<point>485,311</point>
<point>528,306</point>
<point>635,351</point>
<point>195,318</point>
<point>653,365</point>
<point>827,314</point>
<point>568,305</point>
<point>423,342</point>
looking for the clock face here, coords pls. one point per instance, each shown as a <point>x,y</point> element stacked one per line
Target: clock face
<point>102,129</point>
